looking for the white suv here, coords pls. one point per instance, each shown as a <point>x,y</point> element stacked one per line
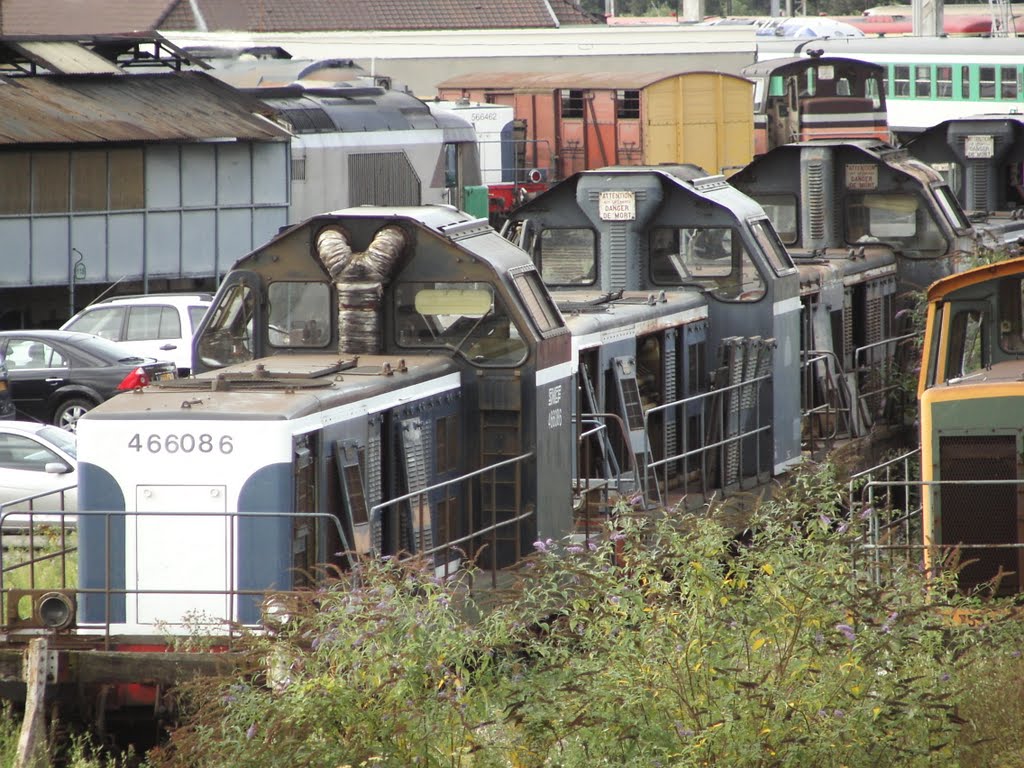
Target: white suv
<point>155,325</point>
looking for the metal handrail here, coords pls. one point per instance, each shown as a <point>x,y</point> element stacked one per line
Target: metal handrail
<point>704,398</point>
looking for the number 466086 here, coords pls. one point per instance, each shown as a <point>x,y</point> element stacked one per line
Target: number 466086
<point>183,443</point>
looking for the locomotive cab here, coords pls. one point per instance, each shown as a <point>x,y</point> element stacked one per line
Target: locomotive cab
<point>972,427</point>
<point>658,237</point>
<point>372,382</point>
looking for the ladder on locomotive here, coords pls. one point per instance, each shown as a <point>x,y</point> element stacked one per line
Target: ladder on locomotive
<point>500,489</point>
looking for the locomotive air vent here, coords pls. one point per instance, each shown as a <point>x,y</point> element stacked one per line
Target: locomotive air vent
<point>815,201</point>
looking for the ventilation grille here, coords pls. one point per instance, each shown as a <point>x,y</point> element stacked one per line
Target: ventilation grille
<point>816,201</point>
<point>980,514</point>
<point>979,187</point>
<point>382,178</point>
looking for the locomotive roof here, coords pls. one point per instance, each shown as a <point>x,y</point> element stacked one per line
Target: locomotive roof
<point>282,387</point>
<point>944,288</point>
<point>688,177</point>
<point>349,108</point>
<point>794,64</point>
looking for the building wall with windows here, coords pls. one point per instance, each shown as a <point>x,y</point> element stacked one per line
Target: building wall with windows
<point>138,212</point>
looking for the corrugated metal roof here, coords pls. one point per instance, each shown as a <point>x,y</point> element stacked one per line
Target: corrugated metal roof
<point>189,106</point>
<point>64,56</point>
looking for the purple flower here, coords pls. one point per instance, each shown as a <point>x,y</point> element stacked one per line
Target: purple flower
<point>540,546</point>
<point>825,519</point>
<point>846,631</point>
<point>681,732</point>
<point>867,512</point>
<point>251,733</point>
<point>617,536</point>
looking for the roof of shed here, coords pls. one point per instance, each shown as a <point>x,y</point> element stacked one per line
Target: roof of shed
<point>72,17</point>
<point>524,81</point>
<point>189,106</point>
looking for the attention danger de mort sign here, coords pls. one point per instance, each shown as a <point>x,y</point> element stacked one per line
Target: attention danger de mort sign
<point>617,206</point>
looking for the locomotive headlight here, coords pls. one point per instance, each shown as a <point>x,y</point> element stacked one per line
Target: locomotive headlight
<point>56,610</point>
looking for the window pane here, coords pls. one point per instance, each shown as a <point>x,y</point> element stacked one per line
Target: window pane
<point>466,318</point>
<point>768,239</point>
<point>105,322</point>
<point>127,182</point>
<point>1008,82</point>
<point>572,103</point>
<point>944,82</point>
<point>14,192</point>
<point>568,256</point>
<point>628,104</point>
<point>144,324</point>
<point>19,452</point>
<point>923,81</point>
<point>29,353</point>
<point>986,82</point>
<point>50,182</point>
<point>300,314</point>
<point>782,211</point>
<point>711,256</point>
<point>89,181</point>
<point>901,81</point>
<point>195,317</point>
<point>538,301</point>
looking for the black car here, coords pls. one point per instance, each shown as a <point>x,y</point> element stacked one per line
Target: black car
<point>6,404</point>
<point>56,376</point>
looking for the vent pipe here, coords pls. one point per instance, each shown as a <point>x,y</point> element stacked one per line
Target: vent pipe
<point>359,278</point>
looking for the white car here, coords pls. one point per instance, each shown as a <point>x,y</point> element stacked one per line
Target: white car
<point>157,325</point>
<point>36,459</point>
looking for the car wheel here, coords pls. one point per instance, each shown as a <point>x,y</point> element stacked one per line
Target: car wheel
<point>70,411</point>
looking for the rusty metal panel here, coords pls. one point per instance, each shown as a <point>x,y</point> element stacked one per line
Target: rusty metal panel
<point>187,106</point>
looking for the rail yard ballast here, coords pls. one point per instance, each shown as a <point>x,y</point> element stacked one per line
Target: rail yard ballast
<point>379,381</point>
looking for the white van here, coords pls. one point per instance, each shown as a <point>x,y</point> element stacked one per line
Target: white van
<point>154,325</point>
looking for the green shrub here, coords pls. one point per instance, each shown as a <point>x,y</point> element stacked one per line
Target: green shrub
<point>669,643</point>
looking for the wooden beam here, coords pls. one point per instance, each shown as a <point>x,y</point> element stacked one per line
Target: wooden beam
<point>32,741</point>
